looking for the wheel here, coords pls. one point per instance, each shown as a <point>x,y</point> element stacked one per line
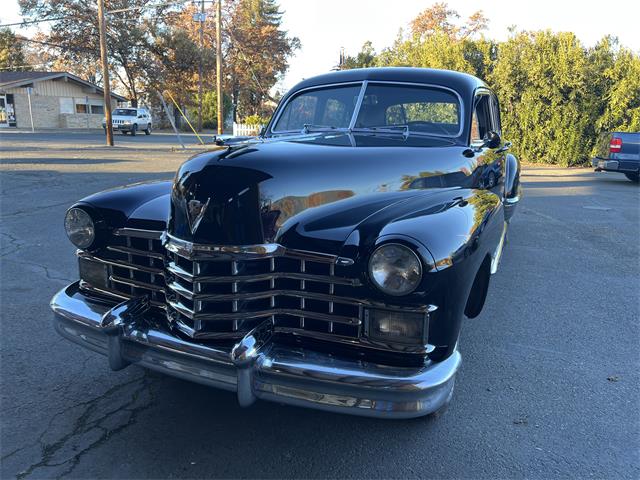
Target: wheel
<point>134,129</point>
<point>147,131</point>
<point>491,181</point>
<point>124,132</point>
<point>634,177</point>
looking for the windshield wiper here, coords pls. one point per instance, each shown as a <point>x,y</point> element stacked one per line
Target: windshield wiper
<point>389,129</point>
<point>309,127</point>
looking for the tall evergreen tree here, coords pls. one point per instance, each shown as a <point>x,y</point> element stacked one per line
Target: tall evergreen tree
<point>12,51</point>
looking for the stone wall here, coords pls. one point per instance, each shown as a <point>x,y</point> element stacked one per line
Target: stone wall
<point>46,111</point>
<point>80,120</point>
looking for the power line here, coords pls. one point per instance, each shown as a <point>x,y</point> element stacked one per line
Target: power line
<point>121,10</point>
<point>27,66</point>
<point>49,44</point>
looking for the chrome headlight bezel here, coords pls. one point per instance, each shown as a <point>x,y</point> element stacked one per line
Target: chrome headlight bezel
<point>395,258</point>
<point>80,227</point>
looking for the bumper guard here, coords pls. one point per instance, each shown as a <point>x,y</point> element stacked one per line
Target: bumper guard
<point>256,367</point>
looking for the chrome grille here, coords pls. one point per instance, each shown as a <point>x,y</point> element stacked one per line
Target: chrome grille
<point>222,292</point>
<point>135,265</point>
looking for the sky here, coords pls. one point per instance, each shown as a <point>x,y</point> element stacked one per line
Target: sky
<point>324,26</point>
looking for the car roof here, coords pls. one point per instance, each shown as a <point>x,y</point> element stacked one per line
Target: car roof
<point>463,83</point>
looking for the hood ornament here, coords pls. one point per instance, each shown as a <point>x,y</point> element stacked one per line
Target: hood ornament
<point>195,213</point>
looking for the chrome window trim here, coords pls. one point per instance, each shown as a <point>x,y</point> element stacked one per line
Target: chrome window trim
<point>364,84</point>
<point>356,109</point>
<point>480,91</point>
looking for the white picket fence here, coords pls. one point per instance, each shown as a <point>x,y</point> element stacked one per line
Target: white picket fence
<point>243,129</point>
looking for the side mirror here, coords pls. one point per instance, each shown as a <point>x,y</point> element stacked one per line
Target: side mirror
<point>262,131</point>
<point>493,140</point>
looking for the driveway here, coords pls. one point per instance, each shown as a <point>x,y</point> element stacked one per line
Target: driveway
<point>549,387</point>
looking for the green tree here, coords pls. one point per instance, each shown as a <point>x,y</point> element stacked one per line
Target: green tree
<point>622,99</point>
<point>210,108</point>
<point>542,80</point>
<point>439,39</point>
<point>366,57</point>
<point>12,52</point>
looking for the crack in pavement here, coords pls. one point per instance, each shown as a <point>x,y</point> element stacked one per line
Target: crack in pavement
<point>97,421</point>
<point>37,210</point>
<point>18,244</point>
<point>47,273</point>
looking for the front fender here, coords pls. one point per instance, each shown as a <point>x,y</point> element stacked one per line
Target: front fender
<point>454,231</point>
<point>512,188</point>
<point>142,205</point>
<point>450,225</point>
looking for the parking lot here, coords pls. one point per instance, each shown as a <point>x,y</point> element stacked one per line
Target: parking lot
<point>549,387</point>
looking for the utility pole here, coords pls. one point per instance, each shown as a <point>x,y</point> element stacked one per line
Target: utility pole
<point>105,72</point>
<point>219,65</point>
<point>201,19</point>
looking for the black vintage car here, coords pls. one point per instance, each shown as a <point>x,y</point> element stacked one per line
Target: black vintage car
<point>327,263</point>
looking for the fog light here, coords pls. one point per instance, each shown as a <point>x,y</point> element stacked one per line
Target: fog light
<point>397,327</point>
<point>94,273</point>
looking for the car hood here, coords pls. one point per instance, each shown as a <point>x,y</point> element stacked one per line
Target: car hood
<point>306,192</point>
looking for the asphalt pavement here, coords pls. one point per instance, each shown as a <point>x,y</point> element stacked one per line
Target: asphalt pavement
<point>549,387</point>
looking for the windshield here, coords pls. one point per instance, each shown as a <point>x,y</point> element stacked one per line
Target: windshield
<point>125,112</point>
<point>385,108</point>
<point>328,107</point>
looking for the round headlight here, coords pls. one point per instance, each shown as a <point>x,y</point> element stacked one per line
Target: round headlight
<point>395,269</point>
<point>79,227</point>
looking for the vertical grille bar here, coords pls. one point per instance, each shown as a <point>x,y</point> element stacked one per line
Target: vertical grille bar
<point>303,286</point>
<point>272,285</point>
<point>234,289</point>
<point>130,260</point>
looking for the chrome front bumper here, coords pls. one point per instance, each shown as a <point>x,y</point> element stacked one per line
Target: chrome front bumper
<point>256,367</point>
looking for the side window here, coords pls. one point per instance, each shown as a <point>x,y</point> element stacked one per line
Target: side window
<point>482,120</point>
<point>495,108</point>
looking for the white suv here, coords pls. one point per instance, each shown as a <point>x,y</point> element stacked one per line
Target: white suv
<point>130,120</point>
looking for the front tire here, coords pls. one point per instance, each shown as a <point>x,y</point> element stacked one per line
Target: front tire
<point>147,131</point>
<point>134,129</point>
<point>634,177</point>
